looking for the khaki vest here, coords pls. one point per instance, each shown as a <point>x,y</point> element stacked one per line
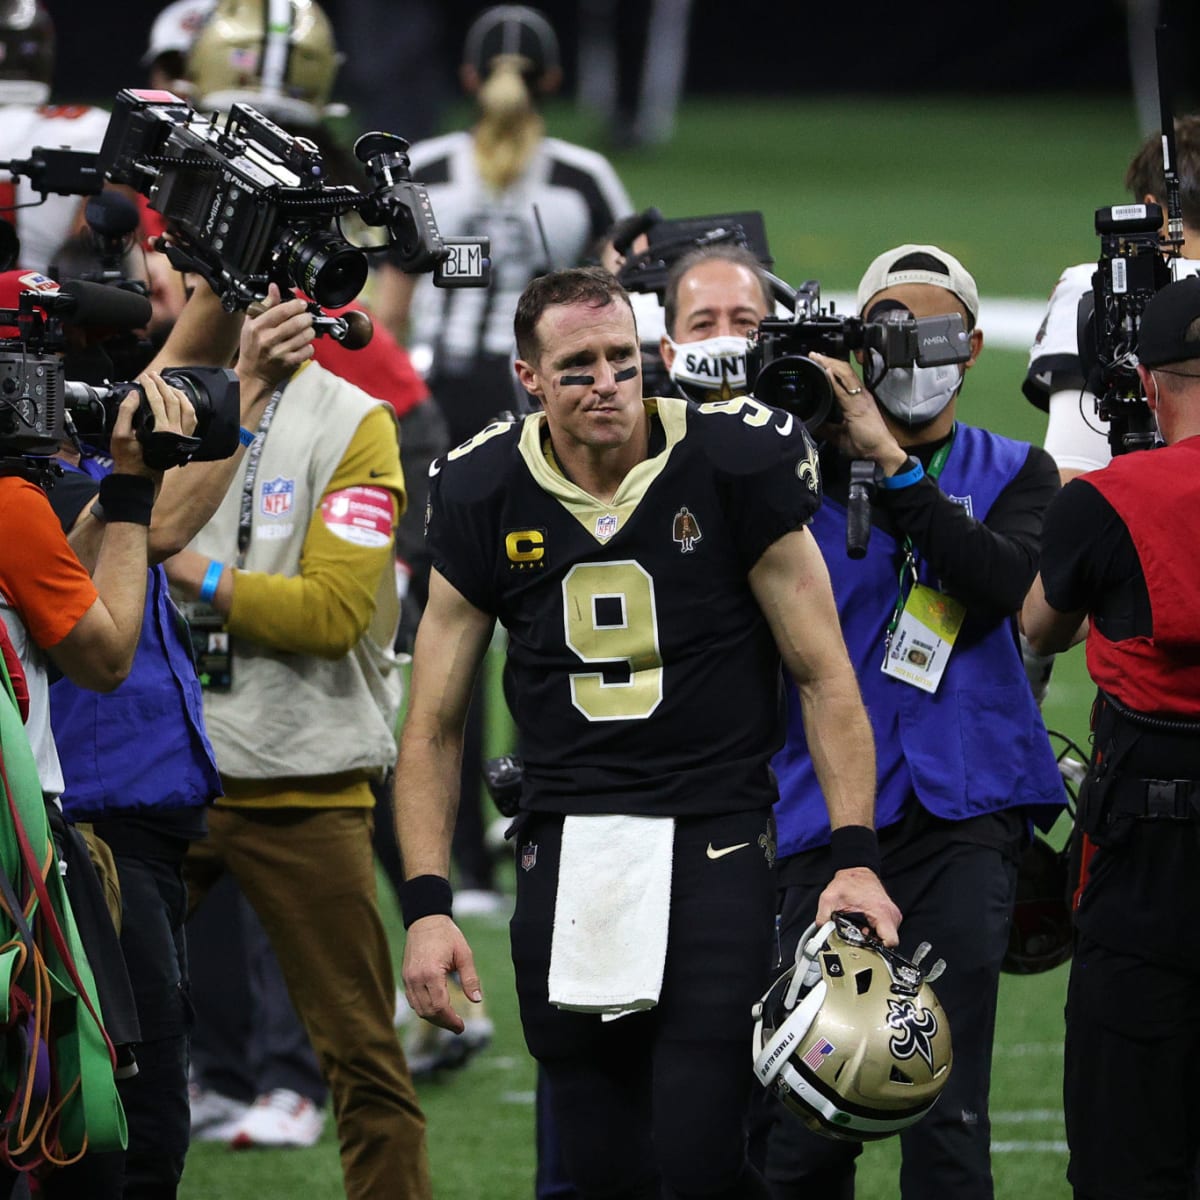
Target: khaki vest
<point>296,715</point>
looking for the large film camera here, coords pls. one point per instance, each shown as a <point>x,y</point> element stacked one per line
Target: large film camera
<point>247,204</point>
<point>40,408</point>
<point>1131,269</point>
<point>785,377</point>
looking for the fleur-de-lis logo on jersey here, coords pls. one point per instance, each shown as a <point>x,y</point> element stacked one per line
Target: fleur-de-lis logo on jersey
<point>915,1028</point>
<point>807,468</point>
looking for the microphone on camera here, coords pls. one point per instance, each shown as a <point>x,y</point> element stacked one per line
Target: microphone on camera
<point>858,508</point>
<point>78,302</point>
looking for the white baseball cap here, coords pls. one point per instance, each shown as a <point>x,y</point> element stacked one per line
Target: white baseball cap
<point>913,263</point>
<point>176,27</point>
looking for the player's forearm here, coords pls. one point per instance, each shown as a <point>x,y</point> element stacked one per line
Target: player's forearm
<point>842,748</point>
<point>426,799</point>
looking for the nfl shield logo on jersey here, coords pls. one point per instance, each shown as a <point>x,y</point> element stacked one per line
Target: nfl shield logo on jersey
<point>277,496</point>
<point>528,856</point>
<point>606,526</point>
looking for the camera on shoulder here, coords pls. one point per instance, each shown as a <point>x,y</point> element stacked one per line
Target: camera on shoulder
<point>786,377</point>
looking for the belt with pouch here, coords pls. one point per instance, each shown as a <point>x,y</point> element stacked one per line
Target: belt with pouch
<point>1154,799</point>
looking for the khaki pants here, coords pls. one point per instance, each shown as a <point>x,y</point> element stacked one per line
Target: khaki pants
<point>310,875</point>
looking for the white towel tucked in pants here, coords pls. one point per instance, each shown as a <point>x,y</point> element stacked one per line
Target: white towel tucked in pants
<point>611,914</point>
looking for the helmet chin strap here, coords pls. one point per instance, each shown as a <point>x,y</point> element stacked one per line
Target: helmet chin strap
<point>807,949</point>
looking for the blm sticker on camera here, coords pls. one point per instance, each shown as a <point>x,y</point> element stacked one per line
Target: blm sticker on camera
<point>362,515</point>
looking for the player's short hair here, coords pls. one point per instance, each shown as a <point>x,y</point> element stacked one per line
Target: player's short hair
<point>738,255</point>
<point>1145,174</point>
<point>576,285</point>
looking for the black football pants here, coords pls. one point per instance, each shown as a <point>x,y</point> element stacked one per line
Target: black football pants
<point>654,1103</point>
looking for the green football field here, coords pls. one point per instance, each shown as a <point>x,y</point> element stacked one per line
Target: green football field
<point>1010,186</point>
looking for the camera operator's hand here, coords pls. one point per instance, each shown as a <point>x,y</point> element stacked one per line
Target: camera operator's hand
<point>862,433</point>
<point>172,412</point>
<point>274,343</point>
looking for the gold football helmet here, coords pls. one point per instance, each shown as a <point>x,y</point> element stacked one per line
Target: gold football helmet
<point>851,1037</point>
<point>277,55</point>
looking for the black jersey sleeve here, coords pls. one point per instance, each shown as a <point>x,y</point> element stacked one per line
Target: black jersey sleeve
<point>465,490</point>
<point>767,471</point>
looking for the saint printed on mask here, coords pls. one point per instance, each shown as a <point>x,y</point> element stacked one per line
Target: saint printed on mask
<point>712,369</point>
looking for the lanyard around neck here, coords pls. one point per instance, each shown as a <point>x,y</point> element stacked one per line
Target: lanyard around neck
<point>908,561</point>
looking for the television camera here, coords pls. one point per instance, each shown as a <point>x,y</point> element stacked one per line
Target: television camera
<point>1136,260</point>
<point>40,408</point>
<point>247,204</point>
<point>777,361</point>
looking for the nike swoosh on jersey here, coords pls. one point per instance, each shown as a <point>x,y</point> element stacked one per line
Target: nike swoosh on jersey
<point>724,850</point>
<point>786,428</point>
<point>435,467</point>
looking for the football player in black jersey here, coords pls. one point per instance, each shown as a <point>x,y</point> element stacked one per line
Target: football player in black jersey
<point>644,677</point>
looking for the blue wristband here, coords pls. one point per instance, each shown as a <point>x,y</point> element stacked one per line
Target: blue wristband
<point>903,479</point>
<point>212,577</point>
<point>246,436</point>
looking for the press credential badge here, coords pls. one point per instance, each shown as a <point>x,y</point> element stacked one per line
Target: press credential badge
<point>924,636</point>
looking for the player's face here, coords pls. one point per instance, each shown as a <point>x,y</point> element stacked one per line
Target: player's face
<point>588,374</point>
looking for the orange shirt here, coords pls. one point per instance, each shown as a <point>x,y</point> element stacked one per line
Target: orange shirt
<point>39,573</point>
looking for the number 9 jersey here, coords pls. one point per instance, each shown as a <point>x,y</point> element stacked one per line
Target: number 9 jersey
<point>641,674</point>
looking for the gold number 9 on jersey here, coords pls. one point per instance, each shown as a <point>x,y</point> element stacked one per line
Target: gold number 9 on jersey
<point>610,617</point>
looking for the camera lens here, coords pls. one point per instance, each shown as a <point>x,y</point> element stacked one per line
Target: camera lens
<point>326,267</point>
<point>797,385</point>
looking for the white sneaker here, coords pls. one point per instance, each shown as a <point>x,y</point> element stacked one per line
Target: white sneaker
<point>280,1118</point>
<point>214,1116</point>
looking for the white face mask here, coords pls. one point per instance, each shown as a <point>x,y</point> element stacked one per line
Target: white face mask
<point>915,395</point>
<point>712,369</point>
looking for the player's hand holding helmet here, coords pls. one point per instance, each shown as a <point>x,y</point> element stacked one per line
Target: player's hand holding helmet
<point>851,1037</point>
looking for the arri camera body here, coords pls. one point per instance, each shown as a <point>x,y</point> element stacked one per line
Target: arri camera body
<point>785,377</point>
<point>247,204</point>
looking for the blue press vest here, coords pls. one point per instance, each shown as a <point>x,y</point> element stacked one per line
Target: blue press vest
<point>142,746</point>
<point>975,746</point>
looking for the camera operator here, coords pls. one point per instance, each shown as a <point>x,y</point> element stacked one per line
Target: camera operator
<point>963,760</point>
<point>1056,380</point>
<point>1117,551</point>
<point>148,807</point>
<point>297,564</point>
<point>56,614</point>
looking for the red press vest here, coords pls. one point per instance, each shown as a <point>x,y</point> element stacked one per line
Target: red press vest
<point>1158,498</point>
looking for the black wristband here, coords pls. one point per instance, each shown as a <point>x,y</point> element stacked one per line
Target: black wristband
<point>125,498</point>
<point>855,846</point>
<point>425,896</point>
